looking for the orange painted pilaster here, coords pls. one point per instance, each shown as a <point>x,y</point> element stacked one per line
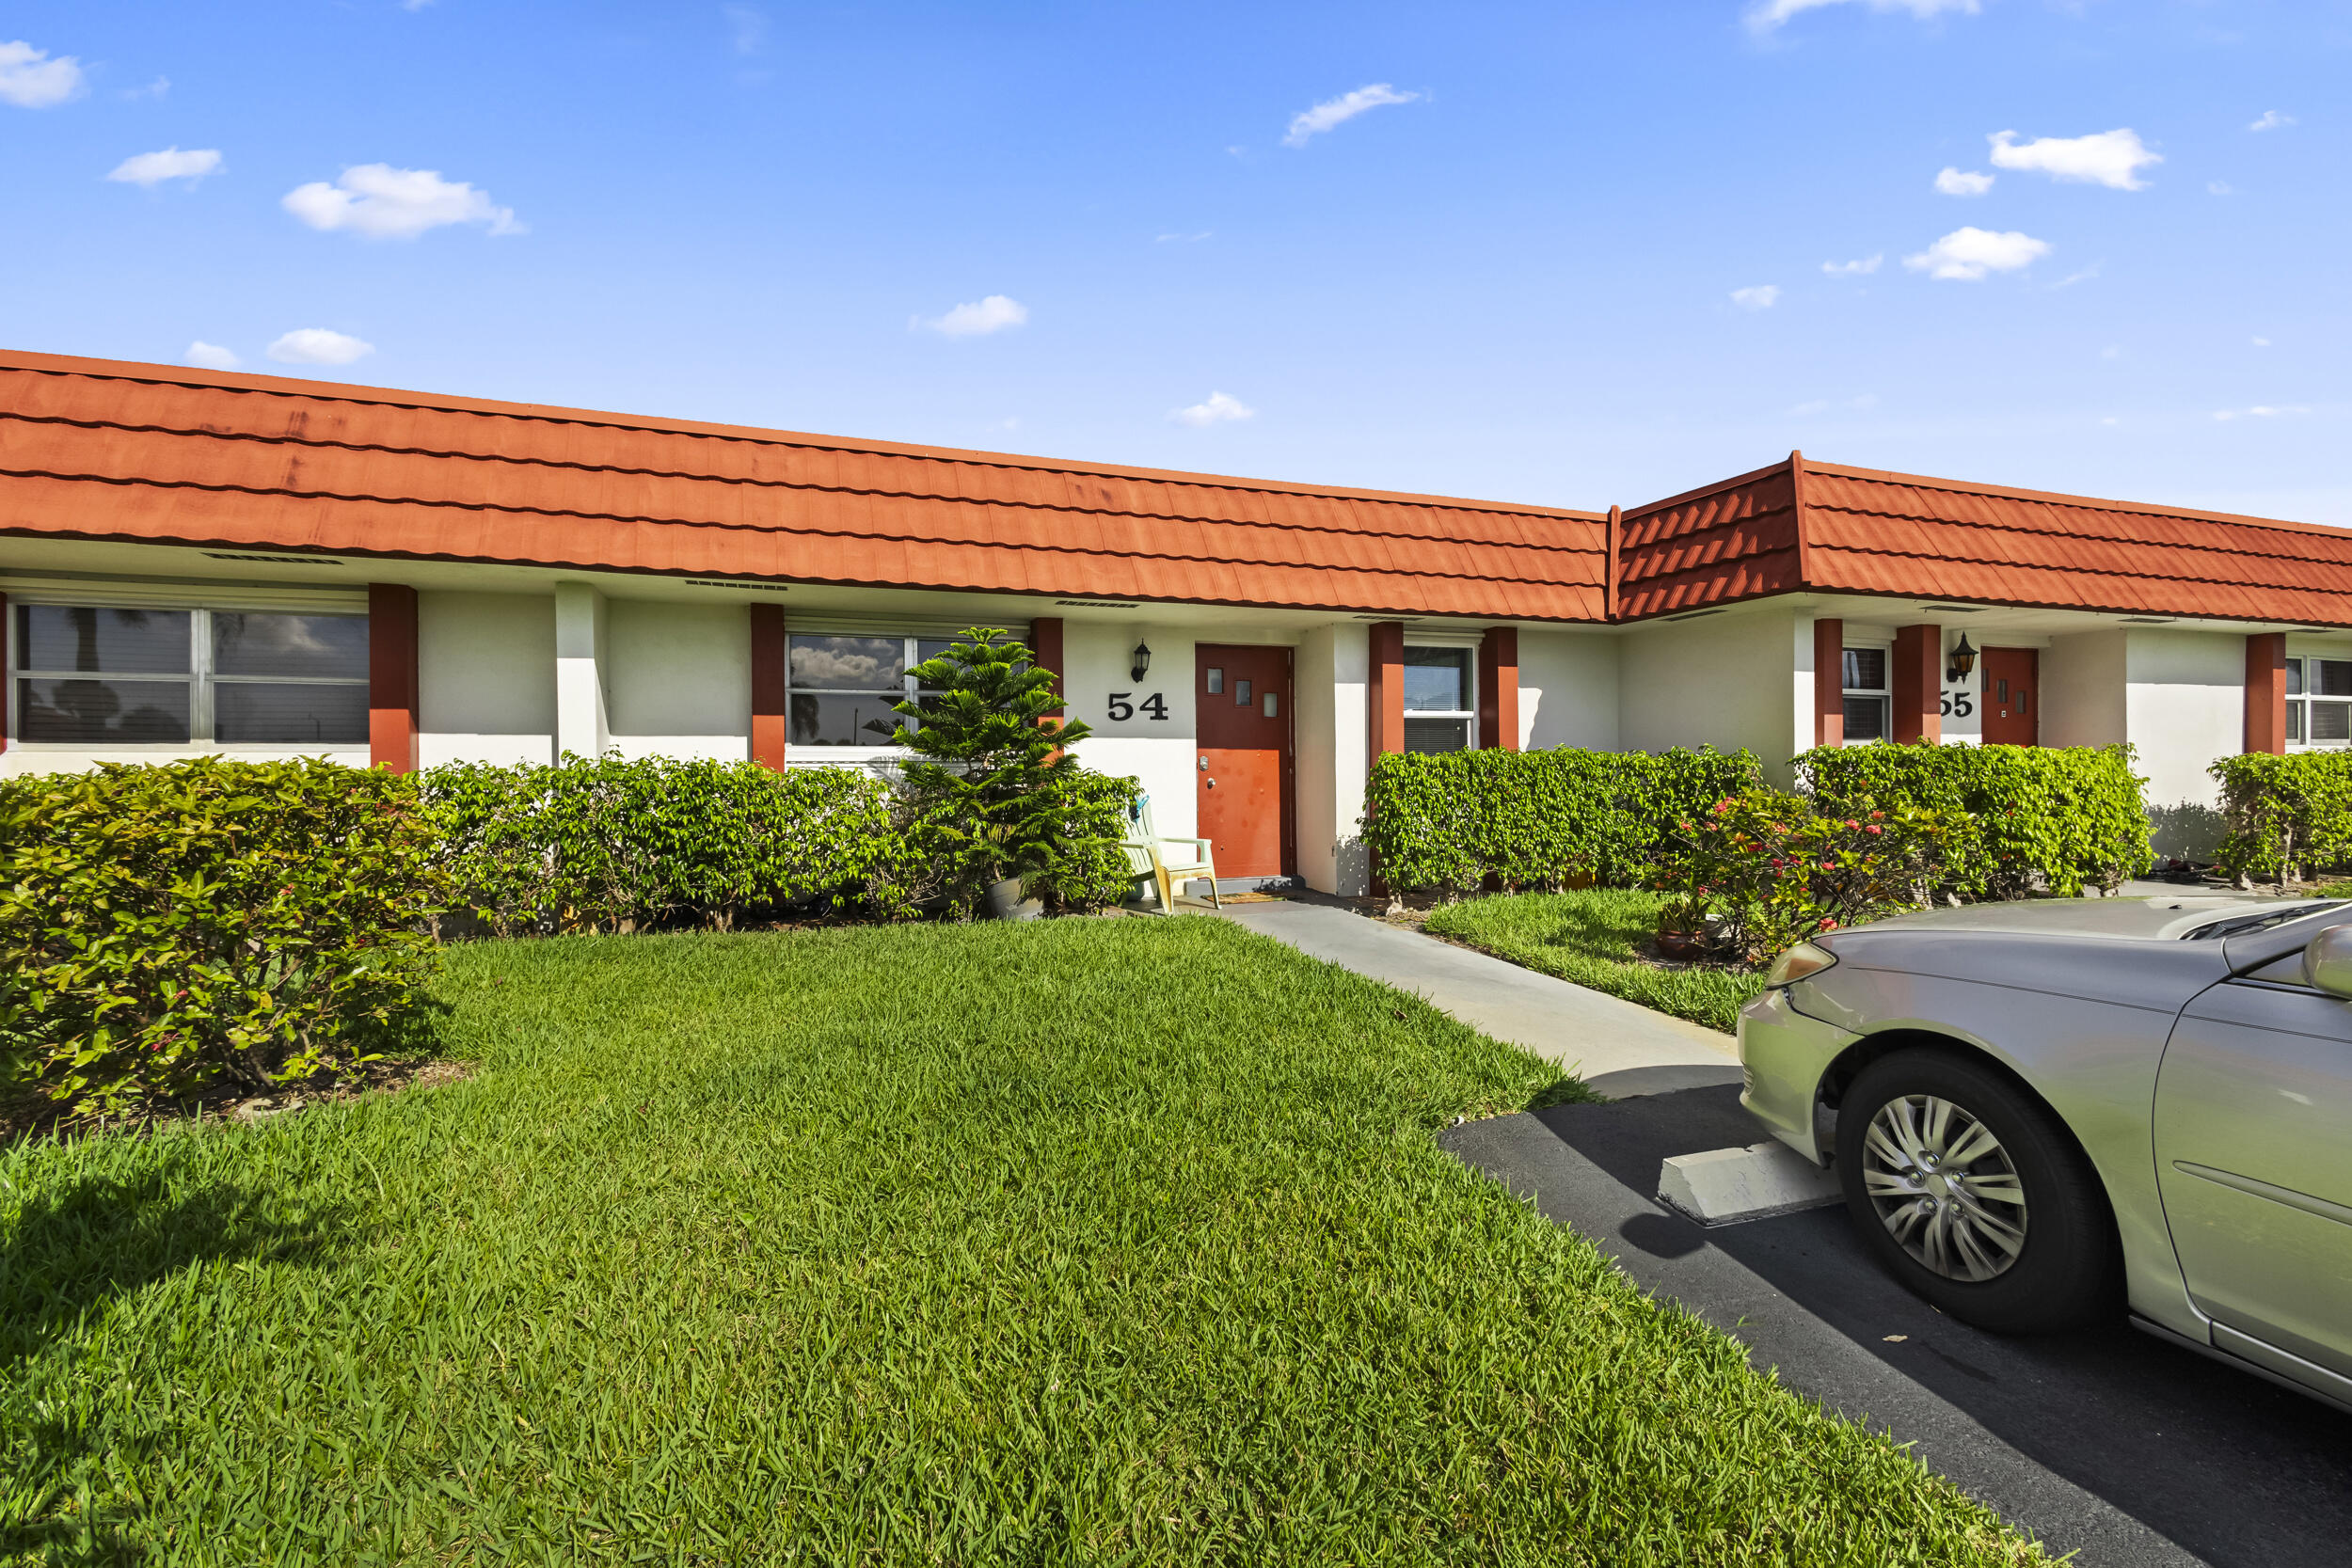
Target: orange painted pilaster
<point>1828,682</point>
<point>1919,684</point>
<point>1499,688</point>
<point>1385,688</point>
<point>2267,693</point>
<point>392,676</point>
<point>771,716</point>
<point>1046,642</point>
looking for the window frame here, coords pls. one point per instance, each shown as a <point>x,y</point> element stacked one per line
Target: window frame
<point>1468,716</point>
<point>911,655</point>
<point>2301,696</point>
<point>200,678</point>
<point>1884,695</point>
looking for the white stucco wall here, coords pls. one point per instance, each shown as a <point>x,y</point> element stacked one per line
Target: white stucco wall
<point>1567,690</point>
<point>2083,680</point>
<point>1334,667</point>
<point>2184,704</point>
<point>680,679</point>
<point>486,677</point>
<point>1097,659</point>
<point>1737,679</point>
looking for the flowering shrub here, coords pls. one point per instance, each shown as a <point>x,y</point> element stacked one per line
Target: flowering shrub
<point>1765,870</point>
<point>2017,819</point>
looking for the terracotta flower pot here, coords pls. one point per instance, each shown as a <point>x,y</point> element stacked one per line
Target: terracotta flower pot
<point>1678,945</point>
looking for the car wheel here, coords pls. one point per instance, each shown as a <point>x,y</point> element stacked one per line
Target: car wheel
<point>1974,1196</point>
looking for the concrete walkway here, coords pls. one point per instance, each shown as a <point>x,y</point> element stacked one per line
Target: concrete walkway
<point>1618,1048</point>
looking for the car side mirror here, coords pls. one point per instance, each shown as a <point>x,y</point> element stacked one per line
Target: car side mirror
<point>2328,961</point>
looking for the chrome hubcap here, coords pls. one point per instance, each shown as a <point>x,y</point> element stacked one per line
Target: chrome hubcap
<point>1943,1187</point>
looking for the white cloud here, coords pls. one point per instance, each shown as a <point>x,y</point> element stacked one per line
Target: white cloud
<point>1962,182</point>
<point>159,87</point>
<point>1761,296</point>
<point>212,355</point>
<point>1968,254</point>
<point>1220,408</point>
<point>2113,351</point>
<point>2262,342</point>
<point>1182,239</point>
<point>316,345</point>
<point>747,28</point>
<point>1769,14</point>
<point>2085,276</point>
<point>151,169</point>
<point>2218,187</point>
<point>2271,120</point>
<point>2260,411</point>
<point>31,80</point>
<point>381,202</point>
<point>977,317</point>
<point>2110,158</point>
<point>1335,111</point>
<point>1859,267</point>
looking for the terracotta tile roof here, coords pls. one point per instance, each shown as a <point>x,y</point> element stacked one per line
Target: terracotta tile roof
<point>103,449</point>
<point>1806,525</point>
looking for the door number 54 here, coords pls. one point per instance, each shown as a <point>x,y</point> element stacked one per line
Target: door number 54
<point>1122,708</point>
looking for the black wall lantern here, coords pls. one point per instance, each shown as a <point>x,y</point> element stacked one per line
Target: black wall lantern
<point>1963,660</point>
<point>1143,661</point>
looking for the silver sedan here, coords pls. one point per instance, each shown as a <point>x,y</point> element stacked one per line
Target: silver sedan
<point>2044,1114</point>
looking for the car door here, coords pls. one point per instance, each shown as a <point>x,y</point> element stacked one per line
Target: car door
<point>2253,1140</point>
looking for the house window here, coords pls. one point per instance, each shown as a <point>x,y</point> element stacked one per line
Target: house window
<point>2319,702</point>
<point>107,675</point>
<point>844,690</point>
<point>1440,711</point>
<point>1867,693</point>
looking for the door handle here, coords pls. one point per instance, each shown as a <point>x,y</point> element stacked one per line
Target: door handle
<point>1205,765</point>
<point>1212,784</point>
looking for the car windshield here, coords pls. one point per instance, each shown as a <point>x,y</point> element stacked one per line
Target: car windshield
<point>2239,925</point>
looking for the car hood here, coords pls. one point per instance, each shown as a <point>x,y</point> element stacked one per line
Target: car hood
<point>2164,919</point>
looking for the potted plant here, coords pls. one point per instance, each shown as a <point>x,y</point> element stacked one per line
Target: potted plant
<point>991,797</point>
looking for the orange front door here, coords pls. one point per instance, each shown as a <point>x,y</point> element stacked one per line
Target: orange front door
<point>1242,764</point>
<point>2011,697</point>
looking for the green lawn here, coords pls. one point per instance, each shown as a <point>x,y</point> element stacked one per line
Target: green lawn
<point>1592,937</point>
<point>1109,1241</point>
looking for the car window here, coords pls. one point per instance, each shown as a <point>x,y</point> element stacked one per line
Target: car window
<point>2248,951</point>
<point>2287,970</point>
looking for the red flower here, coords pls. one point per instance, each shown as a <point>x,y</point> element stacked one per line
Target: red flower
<point>1851,826</point>
<point>1828,925</point>
<point>1874,828</point>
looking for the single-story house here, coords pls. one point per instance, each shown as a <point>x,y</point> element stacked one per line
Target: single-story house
<point>204,562</point>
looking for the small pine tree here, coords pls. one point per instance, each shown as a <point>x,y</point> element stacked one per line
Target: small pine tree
<point>994,800</point>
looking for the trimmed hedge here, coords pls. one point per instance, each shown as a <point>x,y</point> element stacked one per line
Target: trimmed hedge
<point>1537,819</point>
<point>2015,819</point>
<point>614,844</point>
<point>619,845</point>
<point>162,927</point>
<point>2284,815</point>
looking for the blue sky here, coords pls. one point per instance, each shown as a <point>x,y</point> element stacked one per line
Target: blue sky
<point>1557,253</point>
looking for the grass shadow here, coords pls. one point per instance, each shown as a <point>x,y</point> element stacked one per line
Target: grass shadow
<point>65,1257</point>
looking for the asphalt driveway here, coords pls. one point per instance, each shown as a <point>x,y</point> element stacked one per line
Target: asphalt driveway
<point>2106,1443</point>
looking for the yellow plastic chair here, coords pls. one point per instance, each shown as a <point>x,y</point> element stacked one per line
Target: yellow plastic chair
<point>1166,861</point>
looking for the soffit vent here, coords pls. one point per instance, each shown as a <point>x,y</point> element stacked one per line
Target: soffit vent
<point>1955,609</point>
<point>2149,620</point>
<point>754,587</point>
<point>276,559</point>
<point>1093,604</point>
